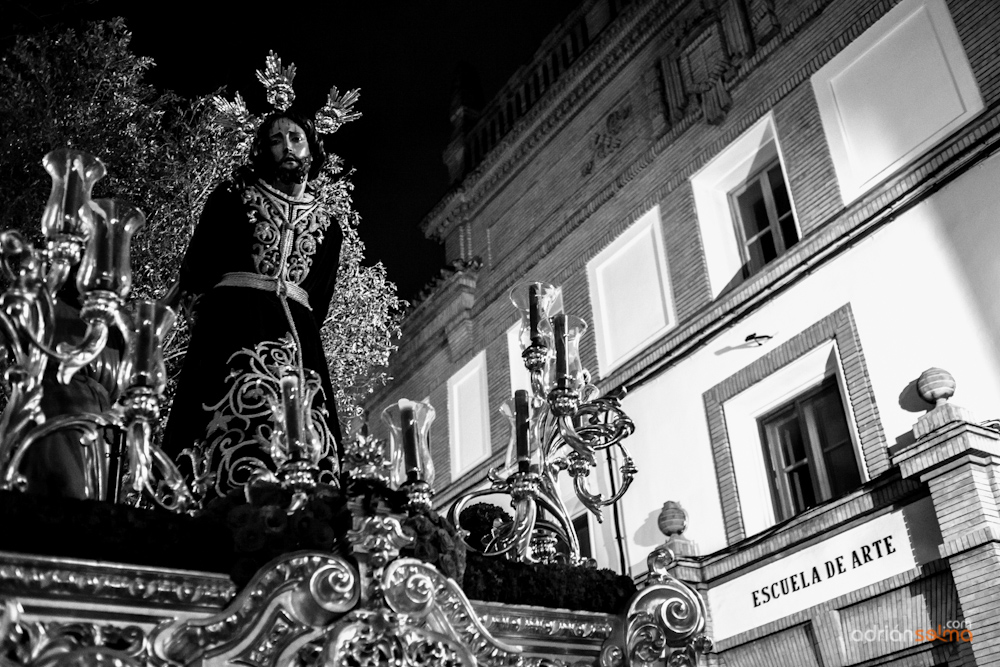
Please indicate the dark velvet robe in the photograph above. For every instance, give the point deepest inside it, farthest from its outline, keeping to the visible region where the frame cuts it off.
(242, 335)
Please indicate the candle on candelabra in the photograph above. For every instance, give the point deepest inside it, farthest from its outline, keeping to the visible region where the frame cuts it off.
(407, 422)
(73, 176)
(106, 263)
(562, 358)
(521, 430)
(534, 314)
(290, 400)
(145, 341)
(75, 196)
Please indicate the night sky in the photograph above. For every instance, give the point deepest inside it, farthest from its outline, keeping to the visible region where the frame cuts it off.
(402, 55)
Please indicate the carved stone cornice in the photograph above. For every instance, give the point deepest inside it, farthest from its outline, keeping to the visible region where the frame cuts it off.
(444, 319)
(614, 48)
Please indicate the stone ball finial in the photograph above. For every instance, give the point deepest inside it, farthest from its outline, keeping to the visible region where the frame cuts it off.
(936, 385)
(673, 518)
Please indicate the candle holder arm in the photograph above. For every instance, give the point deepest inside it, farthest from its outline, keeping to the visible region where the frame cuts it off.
(597, 424)
(170, 492)
(27, 317)
(579, 470)
(101, 311)
(553, 504)
(516, 535)
(89, 423)
(21, 414)
(63, 252)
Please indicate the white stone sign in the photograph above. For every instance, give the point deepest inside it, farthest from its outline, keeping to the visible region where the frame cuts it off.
(877, 549)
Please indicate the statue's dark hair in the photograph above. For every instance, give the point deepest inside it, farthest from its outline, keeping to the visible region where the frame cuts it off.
(260, 157)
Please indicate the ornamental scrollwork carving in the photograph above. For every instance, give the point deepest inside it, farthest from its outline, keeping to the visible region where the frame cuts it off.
(763, 20)
(374, 639)
(549, 628)
(704, 53)
(62, 579)
(664, 621)
(702, 65)
(607, 140)
(61, 644)
(414, 588)
(286, 606)
(379, 536)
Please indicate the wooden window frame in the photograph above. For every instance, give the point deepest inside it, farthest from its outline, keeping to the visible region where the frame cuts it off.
(804, 410)
(761, 176)
(872, 444)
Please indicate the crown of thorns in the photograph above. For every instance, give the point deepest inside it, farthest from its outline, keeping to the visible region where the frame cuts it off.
(277, 81)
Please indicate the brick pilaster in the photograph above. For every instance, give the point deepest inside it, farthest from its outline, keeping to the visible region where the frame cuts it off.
(958, 460)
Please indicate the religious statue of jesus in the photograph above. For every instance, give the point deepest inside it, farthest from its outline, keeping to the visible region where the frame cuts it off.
(261, 268)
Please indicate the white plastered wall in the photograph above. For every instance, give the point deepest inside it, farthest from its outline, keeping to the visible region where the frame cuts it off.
(922, 291)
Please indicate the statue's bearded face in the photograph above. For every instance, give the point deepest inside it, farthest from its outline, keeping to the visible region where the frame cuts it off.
(289, 151)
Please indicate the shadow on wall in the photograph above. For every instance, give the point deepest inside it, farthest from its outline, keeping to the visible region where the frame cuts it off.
(648, 534)
(910, 401)
(966, 215)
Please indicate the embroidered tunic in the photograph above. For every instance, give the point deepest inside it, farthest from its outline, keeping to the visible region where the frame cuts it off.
(263, 265)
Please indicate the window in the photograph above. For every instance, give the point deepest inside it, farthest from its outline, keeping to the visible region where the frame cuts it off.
(809, 451)
(828, 351)
(468, 416)
(762, 212)
(630, 292)
(894, 93)
(746, 214)
(581, 524)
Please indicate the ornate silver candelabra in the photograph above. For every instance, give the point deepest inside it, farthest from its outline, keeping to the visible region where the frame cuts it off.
(305, 608)
(561, 425)
(93, 236)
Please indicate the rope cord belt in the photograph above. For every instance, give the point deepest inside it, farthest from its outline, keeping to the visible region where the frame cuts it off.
(257, 281)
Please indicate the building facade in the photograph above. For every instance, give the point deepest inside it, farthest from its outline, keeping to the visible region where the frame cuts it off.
(776, 216)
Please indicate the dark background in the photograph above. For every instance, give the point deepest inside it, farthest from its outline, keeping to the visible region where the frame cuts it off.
(404, 56)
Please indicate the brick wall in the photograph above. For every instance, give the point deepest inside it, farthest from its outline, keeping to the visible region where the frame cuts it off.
(537, 211)
(838, 326)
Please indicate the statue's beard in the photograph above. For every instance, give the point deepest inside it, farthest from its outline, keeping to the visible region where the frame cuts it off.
(292, 171)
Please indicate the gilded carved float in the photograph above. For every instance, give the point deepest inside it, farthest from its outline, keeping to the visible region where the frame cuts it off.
(360, 603)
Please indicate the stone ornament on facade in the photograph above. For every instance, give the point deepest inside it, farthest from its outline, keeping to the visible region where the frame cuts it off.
(936, 385)
(696, 69)
(594, 67)
(702, 65)
(763, 19)
(607, 141)
(955, 457)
